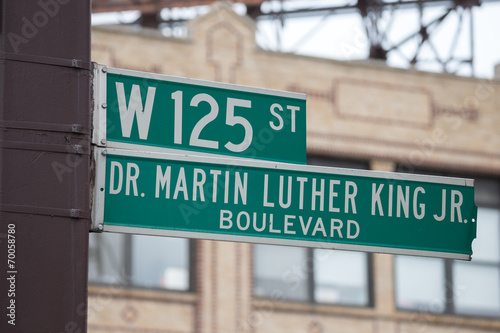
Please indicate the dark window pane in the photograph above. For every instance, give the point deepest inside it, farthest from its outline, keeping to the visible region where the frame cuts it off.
(486, 246)
(476, 289)
(160, 262)
(280, 272)
(487, 192)
(106, 258)
(420, 284)
(341, 277)
(476, 284)
(139, 261)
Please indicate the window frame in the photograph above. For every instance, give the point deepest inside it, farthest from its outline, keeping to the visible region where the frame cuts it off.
(128, 268)
(449, 292)
(309, 265)
(310, 262)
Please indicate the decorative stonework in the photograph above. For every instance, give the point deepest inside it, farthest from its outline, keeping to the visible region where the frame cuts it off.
(113, 60)
(354, 111)
(409, 106)
(130, 314)
(224, 51)
(315, 327)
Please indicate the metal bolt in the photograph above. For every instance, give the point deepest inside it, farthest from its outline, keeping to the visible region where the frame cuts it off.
(78, 149)
(104, 105)
(103, 142)
(104, 69)
(104, 152)
(100, 227)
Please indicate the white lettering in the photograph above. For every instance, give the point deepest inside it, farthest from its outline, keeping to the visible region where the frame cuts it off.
(112, 189)
(293, 109)
(301, 181)
(289, 193)
(198, 184)
(238, 220)
(443, 207)
(225, 216)
(334, 227)
(350, 196)
(131, 179)
(305, 227)
(226, 187)
(135, 107)
(163, 181)
(455, 205)
(319, 227)
(389, 208)
(263, 222)
(316, 193)
(181, 186)
(266, 191)
(276, 231)
(215, 173)
(420, 215)
(288, 224)
(349, 224)
(403, 201)
(376, 199)
(332, 195)
(278, 116)
(240, 187)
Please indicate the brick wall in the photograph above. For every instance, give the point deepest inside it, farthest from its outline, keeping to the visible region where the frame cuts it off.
(354, 110)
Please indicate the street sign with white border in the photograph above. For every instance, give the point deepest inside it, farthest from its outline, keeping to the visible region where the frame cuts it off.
(185, 195)
(163, 112)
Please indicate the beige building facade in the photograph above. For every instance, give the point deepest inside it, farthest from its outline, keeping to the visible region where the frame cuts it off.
(364, 113)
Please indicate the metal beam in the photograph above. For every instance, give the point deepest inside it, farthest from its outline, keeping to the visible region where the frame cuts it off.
(358, 7)
(149, 6)
(44, 164)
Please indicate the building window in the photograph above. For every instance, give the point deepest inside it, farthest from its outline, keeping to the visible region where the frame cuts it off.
(140, 261)
(476, 284)
(420, 284)
(314, 275)
(341, 277)
(281, 271)
(454, 286)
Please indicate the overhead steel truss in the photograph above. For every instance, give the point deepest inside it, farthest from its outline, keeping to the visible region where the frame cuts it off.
(377, 16)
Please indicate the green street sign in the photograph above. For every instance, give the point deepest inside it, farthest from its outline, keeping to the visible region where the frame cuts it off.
(280, 203)
(162, 112)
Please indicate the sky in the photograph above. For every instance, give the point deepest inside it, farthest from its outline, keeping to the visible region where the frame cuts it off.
(342, 37)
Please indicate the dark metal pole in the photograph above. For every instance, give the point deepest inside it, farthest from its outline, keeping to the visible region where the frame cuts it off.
(44, 164)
